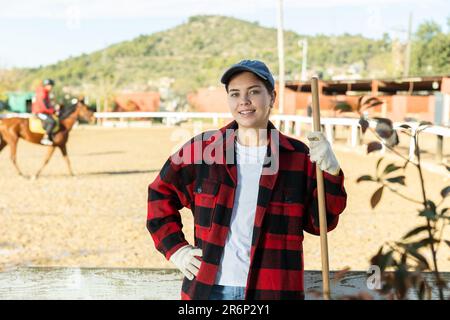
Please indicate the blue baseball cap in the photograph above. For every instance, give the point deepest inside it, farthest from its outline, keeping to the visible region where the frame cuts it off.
(257, 67)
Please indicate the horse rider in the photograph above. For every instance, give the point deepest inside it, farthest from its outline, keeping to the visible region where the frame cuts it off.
(44, 110)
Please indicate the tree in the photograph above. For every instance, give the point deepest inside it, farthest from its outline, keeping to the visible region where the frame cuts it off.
(403, 262)
(430, 50)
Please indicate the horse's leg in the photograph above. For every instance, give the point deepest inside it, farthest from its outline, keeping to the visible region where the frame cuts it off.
(2, 143)
(64, 153)
(47, 159)
(13, 146)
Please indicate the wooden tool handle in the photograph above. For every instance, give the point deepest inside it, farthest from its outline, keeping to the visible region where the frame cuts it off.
(321, 196)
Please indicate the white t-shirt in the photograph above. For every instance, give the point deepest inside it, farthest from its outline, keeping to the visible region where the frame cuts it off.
(235, 263)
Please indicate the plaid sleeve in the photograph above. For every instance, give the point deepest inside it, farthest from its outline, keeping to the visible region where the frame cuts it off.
(335, 199)
(167, 194)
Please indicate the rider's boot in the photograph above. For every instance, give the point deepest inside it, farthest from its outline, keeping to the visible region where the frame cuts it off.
(46, 141)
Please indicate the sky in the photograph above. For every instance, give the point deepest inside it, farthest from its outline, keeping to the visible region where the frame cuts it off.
(41, 32)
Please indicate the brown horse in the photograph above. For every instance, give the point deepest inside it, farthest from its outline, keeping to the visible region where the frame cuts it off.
(14, 128)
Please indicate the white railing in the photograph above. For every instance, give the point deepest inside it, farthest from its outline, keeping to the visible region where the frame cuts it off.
(288, 121)
(15, 115)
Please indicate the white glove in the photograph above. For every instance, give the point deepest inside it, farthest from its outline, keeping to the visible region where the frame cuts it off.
(320, 151)
(184, 260)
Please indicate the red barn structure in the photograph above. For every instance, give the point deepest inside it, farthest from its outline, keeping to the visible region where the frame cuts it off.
(403, 98)
(424, 98)
(209, 100)
(137, 101)
(215, 100)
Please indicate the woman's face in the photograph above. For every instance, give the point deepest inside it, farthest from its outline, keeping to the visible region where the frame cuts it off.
(249, 101)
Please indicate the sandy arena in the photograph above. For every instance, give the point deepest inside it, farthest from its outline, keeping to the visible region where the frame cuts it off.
(97, 218)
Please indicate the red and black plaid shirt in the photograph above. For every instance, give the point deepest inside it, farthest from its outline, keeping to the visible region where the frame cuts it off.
(286, 205)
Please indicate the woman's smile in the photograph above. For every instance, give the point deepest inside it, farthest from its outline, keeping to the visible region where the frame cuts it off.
(247, 113)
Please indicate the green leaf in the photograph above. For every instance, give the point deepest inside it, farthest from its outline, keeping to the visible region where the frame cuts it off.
(374, 146)
(370, 100)
(425, 123)
(376, 103)
(422, 243)
(422, 290)
(422, 126)
(415, 231)
(431, 205)
(405, 126)
(399, 179)
(419, 257)
(376, 197)
(428, 213)
(378, 165)
(379, 161)
(343, 107)
(382, 260)
(359, 103)
(391, 168)
(384, 128)
(364, 125)
(411, 249)
(365, 178)
(445, 191)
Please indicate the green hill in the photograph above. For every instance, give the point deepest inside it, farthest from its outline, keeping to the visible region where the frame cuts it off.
(195, 54)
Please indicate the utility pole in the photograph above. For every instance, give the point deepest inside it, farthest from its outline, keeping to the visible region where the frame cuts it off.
(280, 58)
(304, 44)
(408, 48)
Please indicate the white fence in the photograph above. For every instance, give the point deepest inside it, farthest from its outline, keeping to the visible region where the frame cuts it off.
(288, 123)
(58, 283)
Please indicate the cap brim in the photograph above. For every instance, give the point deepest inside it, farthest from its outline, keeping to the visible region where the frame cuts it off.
(233, 70)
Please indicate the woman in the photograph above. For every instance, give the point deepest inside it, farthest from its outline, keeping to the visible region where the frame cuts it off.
(252, 193)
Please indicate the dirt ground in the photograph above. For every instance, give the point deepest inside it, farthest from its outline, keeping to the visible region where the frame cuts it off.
(97, 218)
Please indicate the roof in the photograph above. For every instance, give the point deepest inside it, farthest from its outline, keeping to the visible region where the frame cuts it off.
(390, 86)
